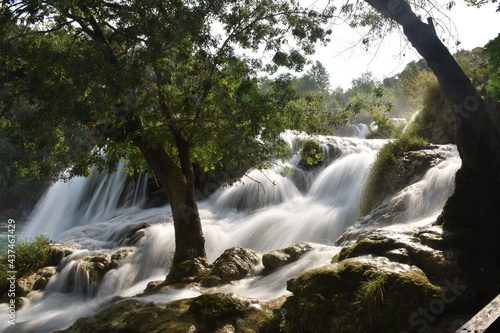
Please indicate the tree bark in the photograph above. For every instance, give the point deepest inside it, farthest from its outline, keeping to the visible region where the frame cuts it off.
(178, 182)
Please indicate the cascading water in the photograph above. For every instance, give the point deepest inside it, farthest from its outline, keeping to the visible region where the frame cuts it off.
(83, 202)
(264, 211)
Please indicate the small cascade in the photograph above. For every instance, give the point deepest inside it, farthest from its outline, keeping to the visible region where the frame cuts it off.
(257, 189)
(428, 196)
(150, 261)
(74, 278)
(85, 201)
(360, 131)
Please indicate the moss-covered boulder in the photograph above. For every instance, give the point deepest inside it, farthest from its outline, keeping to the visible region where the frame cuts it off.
(209, 313)
(425, 248)
(279, 258)
(234, 264)
(362, 294)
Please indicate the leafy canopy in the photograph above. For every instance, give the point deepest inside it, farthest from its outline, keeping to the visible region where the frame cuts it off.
(102, 73)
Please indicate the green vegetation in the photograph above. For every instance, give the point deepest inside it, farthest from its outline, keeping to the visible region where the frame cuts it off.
(370, 297)
(493, 51)
(435, 122)
(388, 171)
(27, 257)
(310, 153)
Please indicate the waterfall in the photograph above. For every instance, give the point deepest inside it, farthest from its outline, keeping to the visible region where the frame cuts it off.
(84, 201)
(265, 210)
(361, 130)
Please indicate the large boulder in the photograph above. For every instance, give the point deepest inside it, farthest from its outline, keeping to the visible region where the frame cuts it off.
(279, 258)
(362, 294)
(234, 264)
(385, 281)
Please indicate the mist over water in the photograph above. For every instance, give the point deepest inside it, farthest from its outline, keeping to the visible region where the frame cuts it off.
(264, 211)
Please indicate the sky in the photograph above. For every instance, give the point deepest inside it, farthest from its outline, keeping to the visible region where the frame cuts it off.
(471, 26)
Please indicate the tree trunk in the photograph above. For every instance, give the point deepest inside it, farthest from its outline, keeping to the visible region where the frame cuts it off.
(178, 182)
(472, 213)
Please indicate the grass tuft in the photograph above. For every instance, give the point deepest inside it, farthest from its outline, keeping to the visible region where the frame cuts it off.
(26, 256)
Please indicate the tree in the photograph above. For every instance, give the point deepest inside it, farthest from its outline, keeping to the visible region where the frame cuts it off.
(472, 212)
(493, 50)
(316, 79)
(155, 79)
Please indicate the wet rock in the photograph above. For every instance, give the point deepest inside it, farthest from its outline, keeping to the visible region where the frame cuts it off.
(385, 281)
(279, 258)
(187, 272)
(131, 236)
(86, 274)
(58, 251)
(205, 313)
(399, 255)
(234, 264)
(362, 294)
(212, 309)
(35, 281)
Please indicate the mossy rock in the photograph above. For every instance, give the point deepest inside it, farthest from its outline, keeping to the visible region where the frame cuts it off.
(187, 272)
(208, 313)
(362, 294)
(234, 264)
(133, 316)
(217, 310)
(410, 248)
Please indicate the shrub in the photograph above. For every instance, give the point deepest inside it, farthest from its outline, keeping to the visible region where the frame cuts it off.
(310, 153)
(387, 172)
(30, 256)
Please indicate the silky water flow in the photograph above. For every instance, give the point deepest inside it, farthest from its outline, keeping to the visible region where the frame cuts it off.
(264, 211)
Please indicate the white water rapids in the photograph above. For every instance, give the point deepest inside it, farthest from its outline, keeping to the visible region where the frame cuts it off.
(93, 215)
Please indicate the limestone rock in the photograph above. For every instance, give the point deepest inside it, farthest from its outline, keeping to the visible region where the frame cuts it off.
(58, 251)
(410, 248)
(85, 274)
(279, 258)
(35, 281)
(234, 264)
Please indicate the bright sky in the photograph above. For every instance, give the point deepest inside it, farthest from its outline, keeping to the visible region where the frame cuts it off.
(472, 27)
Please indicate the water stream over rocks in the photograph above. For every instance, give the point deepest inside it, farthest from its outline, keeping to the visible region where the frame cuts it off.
(118, 247)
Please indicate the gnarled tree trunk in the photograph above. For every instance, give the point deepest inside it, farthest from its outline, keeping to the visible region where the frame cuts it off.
(178, 182)
(472, 213)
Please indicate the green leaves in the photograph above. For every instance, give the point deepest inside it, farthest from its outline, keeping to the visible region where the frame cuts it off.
(493, 50)
(99, 75)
